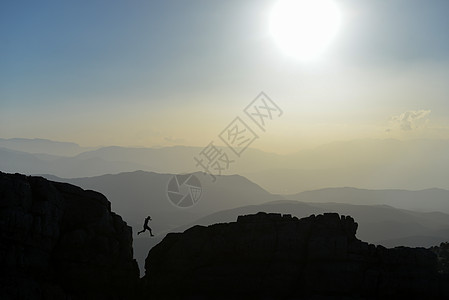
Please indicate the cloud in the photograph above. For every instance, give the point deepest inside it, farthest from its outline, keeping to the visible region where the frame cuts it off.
(410, 120)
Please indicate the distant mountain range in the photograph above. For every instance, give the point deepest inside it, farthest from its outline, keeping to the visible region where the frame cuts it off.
(43, 146)
(138, 194)
(13, 161)
(428, 200)
(364, 163)
(369, 164)
(110, 160)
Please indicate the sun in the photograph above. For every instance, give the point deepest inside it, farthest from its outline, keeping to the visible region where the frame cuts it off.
(304, 28)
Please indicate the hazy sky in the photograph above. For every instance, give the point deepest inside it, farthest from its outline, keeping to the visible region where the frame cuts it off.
(147, 73)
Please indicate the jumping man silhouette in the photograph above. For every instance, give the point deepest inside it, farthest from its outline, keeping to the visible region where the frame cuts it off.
(146, 227)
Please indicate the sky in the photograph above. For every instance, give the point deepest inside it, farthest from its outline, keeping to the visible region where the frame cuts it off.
(160, 73)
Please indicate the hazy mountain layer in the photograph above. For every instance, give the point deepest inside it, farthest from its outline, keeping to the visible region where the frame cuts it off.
(370, 164)
(43, 146)
(429, 200)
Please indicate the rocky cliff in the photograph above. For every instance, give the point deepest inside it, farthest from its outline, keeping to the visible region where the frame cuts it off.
(270, 256)
(58, 241)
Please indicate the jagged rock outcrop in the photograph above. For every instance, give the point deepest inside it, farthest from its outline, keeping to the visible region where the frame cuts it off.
(269, 256)
(58, 241)
(442, 253)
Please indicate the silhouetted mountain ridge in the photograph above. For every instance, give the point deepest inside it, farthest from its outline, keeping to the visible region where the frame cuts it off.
(380, 224)
(274, 256)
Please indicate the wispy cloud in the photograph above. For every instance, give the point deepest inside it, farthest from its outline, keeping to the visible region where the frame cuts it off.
(410, 120)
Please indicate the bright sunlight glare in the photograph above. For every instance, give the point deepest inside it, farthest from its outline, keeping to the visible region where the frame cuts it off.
(304, 28)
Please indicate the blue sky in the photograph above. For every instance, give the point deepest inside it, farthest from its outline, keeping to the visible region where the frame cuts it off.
(97, 72)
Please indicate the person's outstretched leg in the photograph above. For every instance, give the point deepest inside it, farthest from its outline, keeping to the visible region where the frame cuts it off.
(141, 231)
